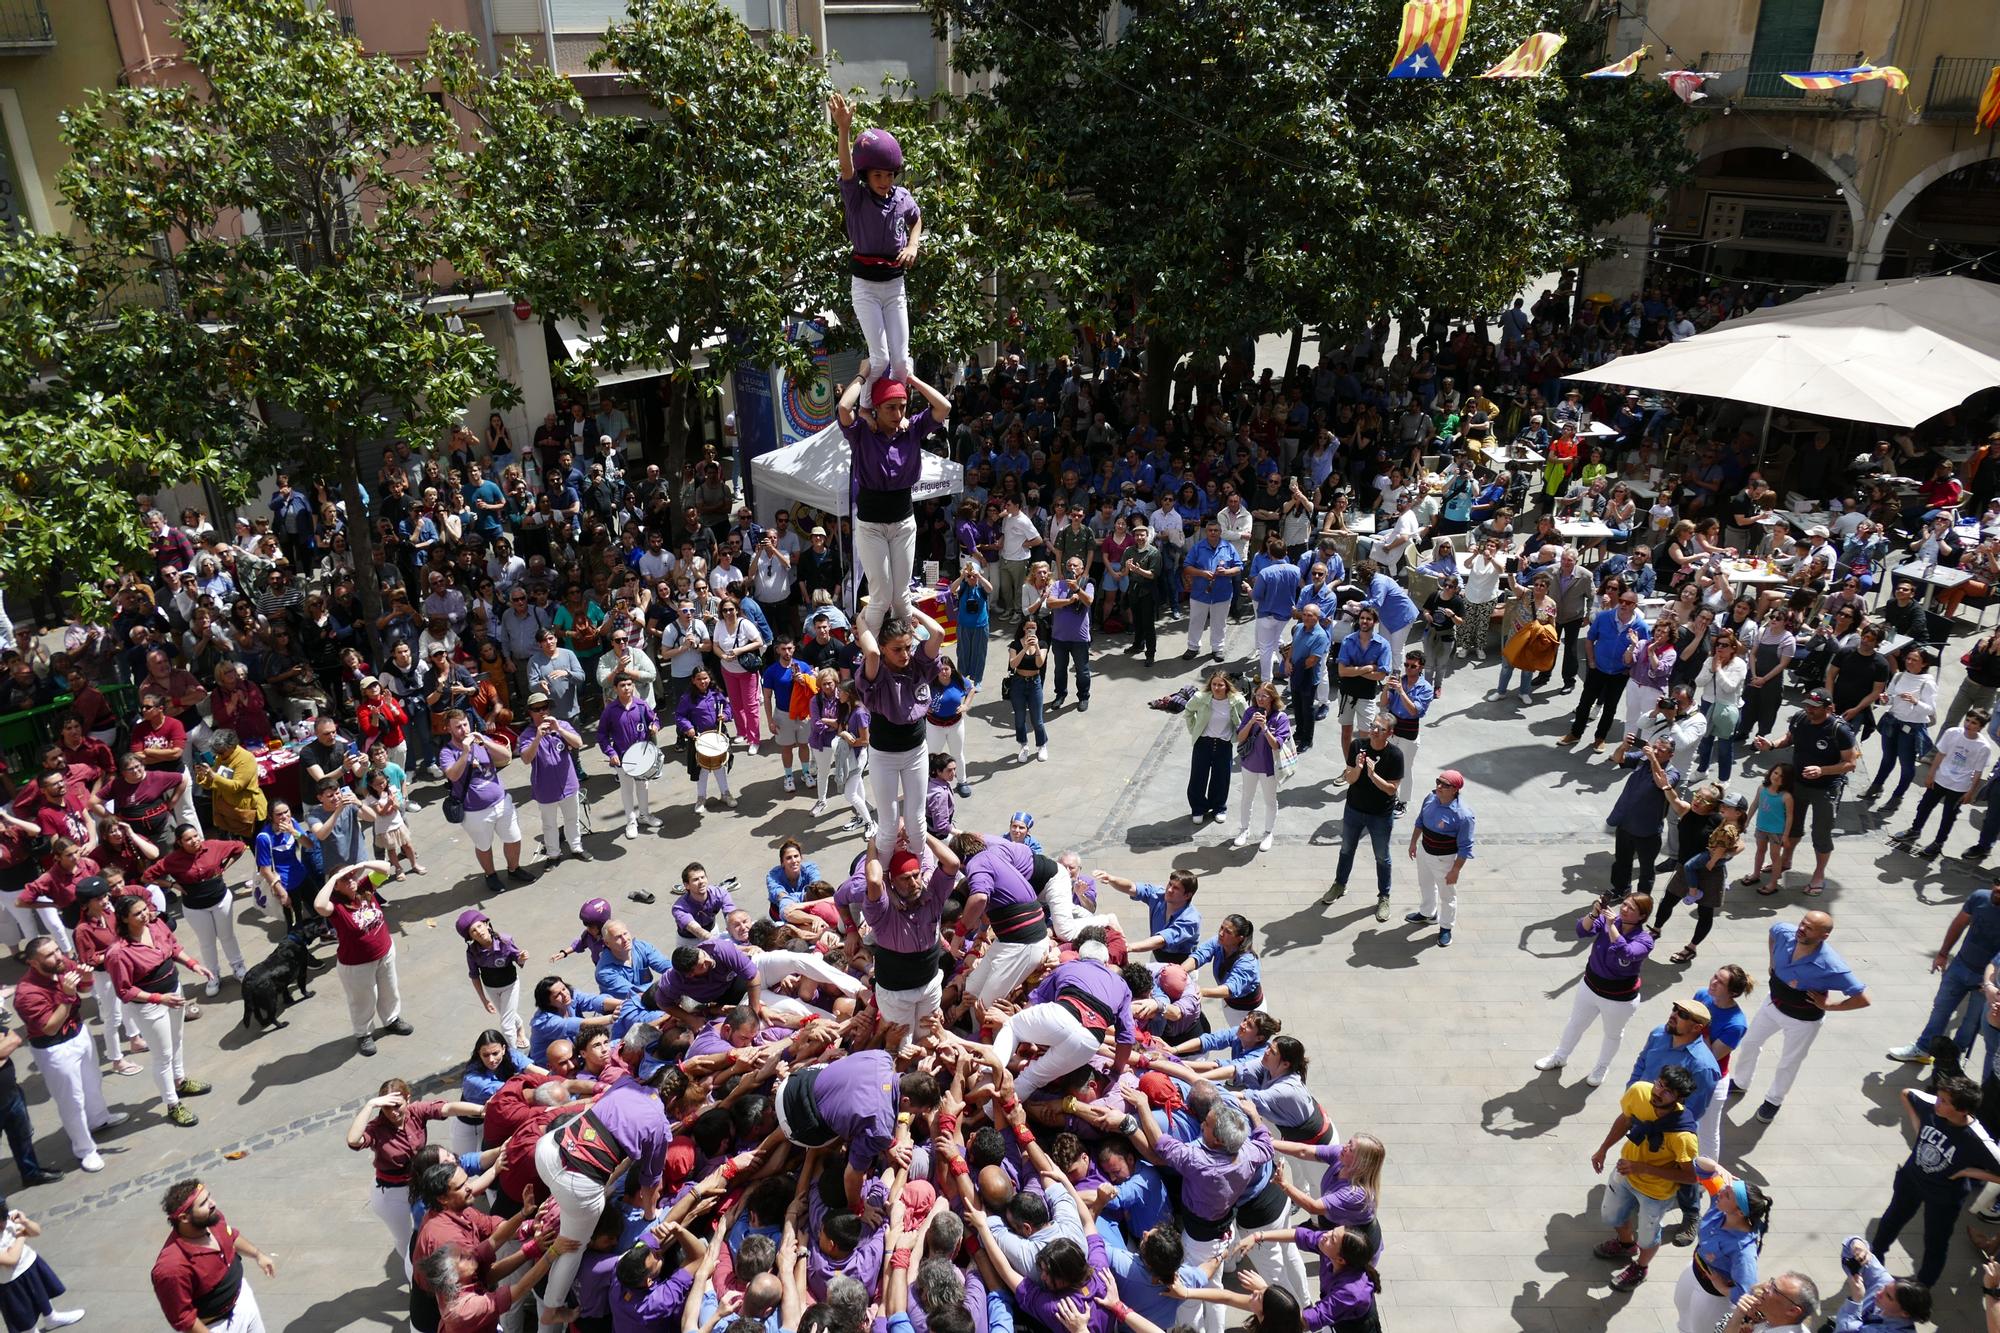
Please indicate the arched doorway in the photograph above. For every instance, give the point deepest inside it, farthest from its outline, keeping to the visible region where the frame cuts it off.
(1771, 216)
(1953, 224)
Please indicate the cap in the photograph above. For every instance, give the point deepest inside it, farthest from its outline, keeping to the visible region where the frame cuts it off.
(439, 650)
(366, 681)
(1818, 699)
(1817, 530)
(904, 862)
(817, 531)
(1454, 777)
(1693, 1009)
(887, 390)
(538, 700)
(1736, 800)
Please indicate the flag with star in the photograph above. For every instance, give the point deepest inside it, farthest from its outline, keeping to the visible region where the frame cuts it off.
(1428, 43)
(1622, 69)
(1820, 80)
(1528, 59)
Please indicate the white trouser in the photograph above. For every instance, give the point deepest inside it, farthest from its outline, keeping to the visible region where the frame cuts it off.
(561, 819)
(1003, 967)
(840, 755)
(1398, 640)
(1708, 1132)
(47, 921)
(1258, 787)
(391, 1203)
(721, 776)
(1698, 1311)
(245, 1318)
(507, 999)
(581, 1200)
(897, 781)
(163, 1028)
(1281, 1264)
(1799, 1037)
(115, 1015)
(883, 312)
(1270, 629)
(949, 740)
(217, 923)
(887, 555)
(1067, 1044)
(1066, 919)
(635, 798)
(1407, 746)
(907, 1008)
(372, 995)
(1207, 1314)
(1589, 1005)
(70, 1070)
(1214, 616)
(774, 965)
(464, 1137)
(184, 802)
(1439, 898)
(1639, 701)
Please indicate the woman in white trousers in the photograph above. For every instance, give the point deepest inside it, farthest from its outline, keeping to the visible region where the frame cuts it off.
(392, 1126)
(1726, 1245)
(144, 965)
(1609, 992)
(1264, 731)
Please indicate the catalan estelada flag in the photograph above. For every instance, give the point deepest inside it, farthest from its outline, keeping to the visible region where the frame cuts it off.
(1989, 104)
(1819, 80)
(1529, 58)
(1428, 44)
(1623, 69)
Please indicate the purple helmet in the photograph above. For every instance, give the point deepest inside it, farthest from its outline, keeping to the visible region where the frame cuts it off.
(877, 150)
(595, 912)
(467, 919)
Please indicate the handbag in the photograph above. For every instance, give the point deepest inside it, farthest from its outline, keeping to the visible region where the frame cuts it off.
(454, 797)
(1722, 719)
(1285, 761)
(752, 661)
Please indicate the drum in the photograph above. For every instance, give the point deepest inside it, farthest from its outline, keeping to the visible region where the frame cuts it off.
(642, 762)
(711, 749)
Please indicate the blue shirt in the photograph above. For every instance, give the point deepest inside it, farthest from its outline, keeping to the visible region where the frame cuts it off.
(1392, 604)
(1314, 642)
(1420, 692)
(624, 980)
(784, 894)
(1240, 973)
(1138, 1288)
(1660, 1051)
(1180, 931)
(545, 1027)
(1203, 558)
(1727, 1026)
(1372, 651)
(1275, 589)
(480, 1083)
(1336, 570)
(1140, 1202)
(1981, 941)
(1608, 640)
(1822, 969)
(1448, 821)
(1728, 1254)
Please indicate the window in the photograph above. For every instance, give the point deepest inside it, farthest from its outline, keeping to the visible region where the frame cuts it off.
(1787, 36)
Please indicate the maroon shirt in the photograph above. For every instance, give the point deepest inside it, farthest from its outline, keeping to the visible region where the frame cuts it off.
(395, 1142)
(37, 998)
(187, 1268)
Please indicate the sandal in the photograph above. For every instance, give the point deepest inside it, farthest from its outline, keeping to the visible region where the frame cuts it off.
(1684, 957)
(1767, 892)
(399, 876)
(1816, 888)
(1749, 879)
(417, 869)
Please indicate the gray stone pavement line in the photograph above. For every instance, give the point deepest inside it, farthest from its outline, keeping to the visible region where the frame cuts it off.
(156, 1182)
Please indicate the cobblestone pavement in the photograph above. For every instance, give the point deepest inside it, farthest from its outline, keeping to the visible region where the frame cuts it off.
(1490, 1206)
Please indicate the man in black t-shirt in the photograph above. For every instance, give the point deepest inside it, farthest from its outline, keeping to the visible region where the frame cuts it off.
(1824, 752)
(1856, 677)
(14, 1118)
(1952, 1148)
(1374, 768)
(1745, 507)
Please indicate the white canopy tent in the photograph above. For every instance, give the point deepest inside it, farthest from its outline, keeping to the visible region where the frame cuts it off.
(816, 471)
(1892, 353)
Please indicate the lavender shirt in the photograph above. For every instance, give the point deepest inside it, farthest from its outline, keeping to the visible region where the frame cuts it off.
(900, 700)
(1101, 984)
(857, 1096)
(1257, 757)
(716, 903)
(731, 964)
(911, 929)
(1615, 962)
(620, 728)
(889, 462)
(551, 774)
(480, 782)
(635, 1116)
(877, 225)
(1040, 1304)
(1071, 623)
(657, 1308)
(1213, 1183)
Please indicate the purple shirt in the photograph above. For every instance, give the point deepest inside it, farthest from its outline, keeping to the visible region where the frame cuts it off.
(1615, 962)
(849, 896)
(864, 1265)
(826, 721)
(713, 904)
(710, 1041)
(939, 807)
(658, 1308)
(1212, 1183)
(731, 965)
(857, 1097)
(1257, 756)
(480, 782)
(1071, 623)
(701, 713)
(551, 774)
(912, 929)
(889, 462)
(901, 697)
(502, 952)
(1040, 1304)
(1344, 1293)
(620, 728)
(633, 1114)
(877, 225)
(1105, 987)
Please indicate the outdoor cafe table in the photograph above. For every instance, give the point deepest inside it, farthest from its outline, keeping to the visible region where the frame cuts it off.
(1939, 577)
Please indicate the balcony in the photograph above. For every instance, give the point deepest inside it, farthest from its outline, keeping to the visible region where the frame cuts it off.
(25, 28)
(1956, 82)
(1750, 78)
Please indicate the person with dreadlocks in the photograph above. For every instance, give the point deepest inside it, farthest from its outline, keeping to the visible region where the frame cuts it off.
(1727, 1242)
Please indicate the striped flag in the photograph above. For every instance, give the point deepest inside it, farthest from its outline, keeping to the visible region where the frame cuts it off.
(1428, 44)
(1529, 58)
(1989, 104)
(1623, 69)
(1819, 80)
(1686, 83)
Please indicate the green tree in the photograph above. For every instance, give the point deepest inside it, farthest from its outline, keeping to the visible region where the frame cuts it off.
(1243, 166)
(299, 201)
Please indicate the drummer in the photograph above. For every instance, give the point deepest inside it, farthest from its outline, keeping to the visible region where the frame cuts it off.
(704, 710)
(628, 726)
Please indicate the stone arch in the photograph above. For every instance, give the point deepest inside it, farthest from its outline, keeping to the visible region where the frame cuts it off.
(1728, 139)
(1883, 225)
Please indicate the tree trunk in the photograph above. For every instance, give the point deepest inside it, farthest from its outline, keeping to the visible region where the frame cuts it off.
(361, 541)
(1298, 346)
(1162, 356)
(674, 425)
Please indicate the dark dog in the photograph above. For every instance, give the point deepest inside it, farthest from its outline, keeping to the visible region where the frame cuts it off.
(267, 987)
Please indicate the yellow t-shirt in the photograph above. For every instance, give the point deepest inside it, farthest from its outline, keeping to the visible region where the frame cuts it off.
(1676, 1146)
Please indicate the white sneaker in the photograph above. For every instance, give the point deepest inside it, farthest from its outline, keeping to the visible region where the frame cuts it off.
(1043, 754)
(1242, 838)
(631, 830)
(411, 807)
(1264, 843)
(819, 808)
(729, 799)
(213, 988)
(1549, 1062)
(1461, 654)
(1026, 750)
(114, 1120)
(61, 1318)
(92, 1164)
(650, 823)
(791, 783)
(1595, 1078)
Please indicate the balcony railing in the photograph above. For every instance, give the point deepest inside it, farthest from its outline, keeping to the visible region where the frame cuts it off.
(1956, 82)
(1751, 77)
(24, 26)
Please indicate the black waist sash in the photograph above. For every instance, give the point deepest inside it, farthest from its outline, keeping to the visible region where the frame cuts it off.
(215, 1305)
(897, 970)
(1792, 1002)
(806, 1127)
